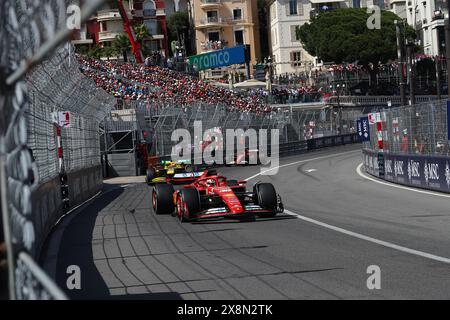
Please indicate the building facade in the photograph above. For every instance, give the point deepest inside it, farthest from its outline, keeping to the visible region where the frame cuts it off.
(398, 7)
(107, 23)
(226, 23)
(285, 16)
(427, 18)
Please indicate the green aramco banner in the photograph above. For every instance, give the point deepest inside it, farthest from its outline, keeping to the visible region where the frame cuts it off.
(218, 58)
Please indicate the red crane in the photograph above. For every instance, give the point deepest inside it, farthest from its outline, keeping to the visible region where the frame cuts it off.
(135, 45)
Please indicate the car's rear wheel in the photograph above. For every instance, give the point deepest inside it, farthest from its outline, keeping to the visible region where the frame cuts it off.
(162, 198)
(188, 204)
(266, 197)
(150, 175)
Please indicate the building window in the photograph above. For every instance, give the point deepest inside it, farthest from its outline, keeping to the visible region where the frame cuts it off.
(237, 14)
(293, 7)
(356, 3)
(149, 9)
(151, 26)
(294, 35)
(238, 37)
(213, 36)
(296, 57)
(212, 16)
(103, 26)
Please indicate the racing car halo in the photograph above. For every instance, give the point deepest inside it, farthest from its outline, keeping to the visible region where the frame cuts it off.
(212, 196)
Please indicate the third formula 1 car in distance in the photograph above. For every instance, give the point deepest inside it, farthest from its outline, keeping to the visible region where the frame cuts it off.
(215, 196)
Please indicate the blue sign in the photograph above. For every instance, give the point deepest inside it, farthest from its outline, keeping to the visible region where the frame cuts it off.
(365, 131)
(218, 58)
(359, 129)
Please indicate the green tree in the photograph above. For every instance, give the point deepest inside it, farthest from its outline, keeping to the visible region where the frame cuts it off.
(142, 34)
(178, 28)
(122, 45)
(95, 52)
(108, 52)
(263, 31)
(342, 35)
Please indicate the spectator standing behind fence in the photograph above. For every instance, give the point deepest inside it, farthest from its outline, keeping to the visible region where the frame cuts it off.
(404, 143)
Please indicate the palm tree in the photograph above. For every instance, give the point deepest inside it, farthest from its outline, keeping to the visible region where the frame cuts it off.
(122, 45)
(108, 52)
(142, 34)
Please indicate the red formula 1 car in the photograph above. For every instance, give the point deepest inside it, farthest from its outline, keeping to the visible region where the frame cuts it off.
(213, 196)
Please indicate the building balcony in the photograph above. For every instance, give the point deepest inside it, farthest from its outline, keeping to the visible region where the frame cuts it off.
(213, 45)
(211, 22)
(236, 20)
(210, 4)
(81, 38)
(105, 36)
(108, 15)
(437, 15)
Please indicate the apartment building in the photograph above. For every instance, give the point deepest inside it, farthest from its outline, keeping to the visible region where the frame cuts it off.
(107, 23)
(285, 16)
(226, 23)
(427, 18)
(398, 7)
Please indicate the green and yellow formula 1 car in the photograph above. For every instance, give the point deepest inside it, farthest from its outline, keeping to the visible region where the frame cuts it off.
(181, 171)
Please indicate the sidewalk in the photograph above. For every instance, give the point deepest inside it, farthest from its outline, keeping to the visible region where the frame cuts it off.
(124, 180)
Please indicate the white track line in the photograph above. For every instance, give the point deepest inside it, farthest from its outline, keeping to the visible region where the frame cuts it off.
(393, 185)
(370, 239)
(301, 161)
(355, 234)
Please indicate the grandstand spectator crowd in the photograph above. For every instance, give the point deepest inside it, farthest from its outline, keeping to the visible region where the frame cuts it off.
(154, 83)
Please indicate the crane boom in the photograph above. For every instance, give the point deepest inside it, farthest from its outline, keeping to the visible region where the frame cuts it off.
(135, 46)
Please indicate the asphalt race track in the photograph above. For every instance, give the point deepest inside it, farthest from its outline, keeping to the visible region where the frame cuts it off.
(125, 251)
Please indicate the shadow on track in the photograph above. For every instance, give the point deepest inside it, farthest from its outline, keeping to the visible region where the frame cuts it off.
(76, 249)
(251, 219)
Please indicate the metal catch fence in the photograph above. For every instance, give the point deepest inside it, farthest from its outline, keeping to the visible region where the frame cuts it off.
(414, 129)
(30, 31)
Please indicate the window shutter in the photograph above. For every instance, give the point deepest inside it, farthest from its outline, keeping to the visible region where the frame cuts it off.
(287, 6)
(300, 7)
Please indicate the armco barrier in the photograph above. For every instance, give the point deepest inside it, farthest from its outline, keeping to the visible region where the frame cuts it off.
(48, 205)
(420, 171)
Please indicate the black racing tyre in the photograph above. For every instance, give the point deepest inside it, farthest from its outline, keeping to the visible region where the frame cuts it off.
(266, 196)
(191, 203)
(162, 198)
(150, 175)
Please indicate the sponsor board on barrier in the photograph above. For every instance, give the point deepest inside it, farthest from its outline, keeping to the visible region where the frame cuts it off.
(428, 172)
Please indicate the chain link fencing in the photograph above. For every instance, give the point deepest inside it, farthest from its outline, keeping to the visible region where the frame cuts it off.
(414, 129)
(31, 182)
(294, 125)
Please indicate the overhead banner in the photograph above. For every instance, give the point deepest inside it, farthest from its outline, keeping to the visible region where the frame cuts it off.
(218, 58)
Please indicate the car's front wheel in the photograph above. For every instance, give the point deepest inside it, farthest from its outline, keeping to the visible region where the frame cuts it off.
(266, 197)
(188, 204)
(162, 198)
